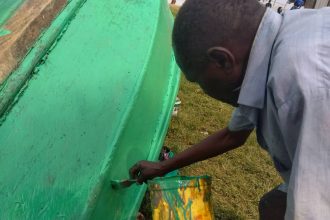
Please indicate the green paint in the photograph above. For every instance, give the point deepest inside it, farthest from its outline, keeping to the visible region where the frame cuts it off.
(168, 187)
(175, 182)
(98, 101)
(172, 197)
(4, 32)
(7, 8)
(38, 54)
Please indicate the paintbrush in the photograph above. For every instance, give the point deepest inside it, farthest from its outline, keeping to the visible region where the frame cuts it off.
(121, 184)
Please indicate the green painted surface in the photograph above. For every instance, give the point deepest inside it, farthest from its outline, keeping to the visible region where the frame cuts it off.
(100, 101)
(37, 54)
(4, 32)
(7, 8)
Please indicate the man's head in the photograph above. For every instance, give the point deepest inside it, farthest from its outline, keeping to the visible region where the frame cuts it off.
(212, 40)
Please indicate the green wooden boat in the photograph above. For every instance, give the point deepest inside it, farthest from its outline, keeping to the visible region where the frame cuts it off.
(93, 96)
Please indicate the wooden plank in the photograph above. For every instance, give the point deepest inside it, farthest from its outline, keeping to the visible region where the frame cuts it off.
(24, 27)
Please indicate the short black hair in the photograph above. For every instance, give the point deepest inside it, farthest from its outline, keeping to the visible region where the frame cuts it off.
(202, 24)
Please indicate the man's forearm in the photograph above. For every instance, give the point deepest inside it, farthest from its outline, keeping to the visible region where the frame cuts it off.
(212, 146)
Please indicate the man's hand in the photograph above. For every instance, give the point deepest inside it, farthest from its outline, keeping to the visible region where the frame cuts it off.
(212, 146)
(146, 170)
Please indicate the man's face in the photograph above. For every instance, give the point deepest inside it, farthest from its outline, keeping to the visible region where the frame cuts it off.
(221, 77)
(221, 84)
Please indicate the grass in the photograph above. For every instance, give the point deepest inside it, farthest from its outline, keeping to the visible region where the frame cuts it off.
(174, 9)
(240, 177)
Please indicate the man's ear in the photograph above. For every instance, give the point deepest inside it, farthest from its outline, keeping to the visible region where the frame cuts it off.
(222, 57)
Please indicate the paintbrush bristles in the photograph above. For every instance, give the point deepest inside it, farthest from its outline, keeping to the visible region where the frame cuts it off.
(120, 184)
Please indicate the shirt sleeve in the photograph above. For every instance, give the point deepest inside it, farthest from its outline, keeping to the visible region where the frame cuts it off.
(308, 188)
(243, 118)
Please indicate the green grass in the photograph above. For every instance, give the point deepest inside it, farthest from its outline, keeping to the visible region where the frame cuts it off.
(174, 9)
(240, 177)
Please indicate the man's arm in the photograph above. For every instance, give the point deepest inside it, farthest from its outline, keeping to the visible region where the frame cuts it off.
(216, 144)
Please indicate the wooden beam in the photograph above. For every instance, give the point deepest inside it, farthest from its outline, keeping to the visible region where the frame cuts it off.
(24, 27)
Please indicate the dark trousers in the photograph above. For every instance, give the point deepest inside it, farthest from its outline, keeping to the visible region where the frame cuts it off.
(272, 205)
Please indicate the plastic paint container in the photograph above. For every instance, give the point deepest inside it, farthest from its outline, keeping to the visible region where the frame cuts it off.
(181, 198)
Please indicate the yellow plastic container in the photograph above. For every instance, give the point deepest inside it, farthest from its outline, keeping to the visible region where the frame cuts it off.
(181, 198)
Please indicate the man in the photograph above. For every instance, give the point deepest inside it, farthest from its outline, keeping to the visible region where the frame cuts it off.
(243, 54)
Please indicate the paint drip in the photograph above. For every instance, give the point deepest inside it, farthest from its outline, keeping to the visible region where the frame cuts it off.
(181, 198)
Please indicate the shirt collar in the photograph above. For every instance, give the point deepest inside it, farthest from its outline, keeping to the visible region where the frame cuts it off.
(254, 84)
